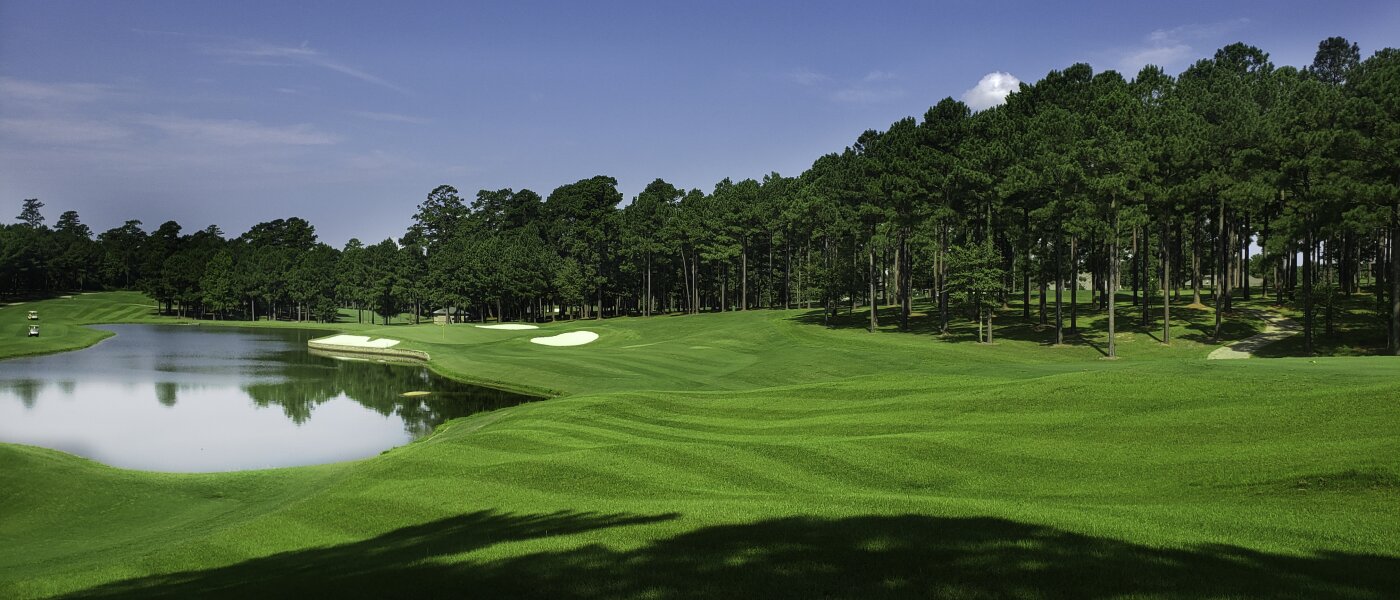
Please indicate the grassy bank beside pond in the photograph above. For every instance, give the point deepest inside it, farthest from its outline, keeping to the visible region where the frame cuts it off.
(763, 454)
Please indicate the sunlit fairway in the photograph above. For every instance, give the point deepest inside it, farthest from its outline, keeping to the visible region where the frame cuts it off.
(765, 454)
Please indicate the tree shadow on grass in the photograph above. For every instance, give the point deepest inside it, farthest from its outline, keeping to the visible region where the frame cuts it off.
(924, 321)
(961, 329)
(1092, 330)
(798, 557)
(1200, 325)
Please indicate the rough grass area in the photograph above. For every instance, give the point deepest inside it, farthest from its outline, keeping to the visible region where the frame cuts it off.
(762, 454)
(1358, 328)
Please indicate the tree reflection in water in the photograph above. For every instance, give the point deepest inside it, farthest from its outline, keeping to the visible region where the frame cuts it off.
(303, 379)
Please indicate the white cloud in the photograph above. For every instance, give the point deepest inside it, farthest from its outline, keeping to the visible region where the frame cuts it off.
(46, 130)
(388, 117)
(234, 132)
(1171, 47)
(805, 76)
(874, 76)
(991, 90)
(19, 90)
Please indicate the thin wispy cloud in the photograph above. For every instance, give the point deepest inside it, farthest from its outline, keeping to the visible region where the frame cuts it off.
(1160, 56)
(866, 95)
(1199, 31)
(380, 161)
(872, 88)
(805, 76)
(234, 132)
(78, 113)
(256, 52)
(61, 131)
(252, 52)
(21, 90)
(388, 117)
(1174, 46)
(991, 90)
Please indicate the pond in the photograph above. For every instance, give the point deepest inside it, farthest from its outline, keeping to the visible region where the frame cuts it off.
(192, 399)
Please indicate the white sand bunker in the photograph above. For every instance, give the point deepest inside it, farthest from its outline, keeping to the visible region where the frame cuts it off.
(572, 338)
(508, 326)
(358, 341)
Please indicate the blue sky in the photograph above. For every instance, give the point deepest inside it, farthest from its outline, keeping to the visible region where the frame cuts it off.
(348, 113)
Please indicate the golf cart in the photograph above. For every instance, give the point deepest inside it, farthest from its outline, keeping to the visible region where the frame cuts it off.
(33, 331)
(33, 315)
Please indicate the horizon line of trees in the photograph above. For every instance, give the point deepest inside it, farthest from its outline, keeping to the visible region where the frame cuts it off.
(1159, 183)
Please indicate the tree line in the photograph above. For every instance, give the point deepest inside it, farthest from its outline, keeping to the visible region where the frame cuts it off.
(1160, 184)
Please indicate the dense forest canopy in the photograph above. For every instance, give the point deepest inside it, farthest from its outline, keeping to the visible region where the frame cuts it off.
(1157, 183)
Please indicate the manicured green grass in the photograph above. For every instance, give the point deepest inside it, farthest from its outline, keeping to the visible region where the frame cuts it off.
(762, 454)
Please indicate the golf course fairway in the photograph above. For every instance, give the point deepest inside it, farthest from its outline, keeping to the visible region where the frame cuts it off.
(762, 454)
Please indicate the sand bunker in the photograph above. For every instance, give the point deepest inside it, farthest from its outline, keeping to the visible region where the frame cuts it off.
(572, 338)
(508, 326)
(357, 341)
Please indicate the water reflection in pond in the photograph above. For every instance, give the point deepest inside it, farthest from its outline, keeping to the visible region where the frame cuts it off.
(192, 398)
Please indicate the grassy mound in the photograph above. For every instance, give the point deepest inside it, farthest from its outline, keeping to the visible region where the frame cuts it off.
(761, 454)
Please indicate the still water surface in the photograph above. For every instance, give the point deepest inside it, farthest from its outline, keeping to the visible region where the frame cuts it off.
(191, 398)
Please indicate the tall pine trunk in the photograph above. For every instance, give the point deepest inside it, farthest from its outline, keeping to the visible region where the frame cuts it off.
(874, 317)
(1196, 266)
(1059, 293)
(943, 280)
(1073, 285)
(1394, 280)
(991, 312)
(1145, 273)
(599, 314)
(1136, 274)
(744, 276)
(1026, 266)
(1308, 267)
(904, 280)
(1222, 274)
(1166, 283)
(1112, 284)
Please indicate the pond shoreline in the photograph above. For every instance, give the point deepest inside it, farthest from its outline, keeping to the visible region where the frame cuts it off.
(328, 329)
(225, 377)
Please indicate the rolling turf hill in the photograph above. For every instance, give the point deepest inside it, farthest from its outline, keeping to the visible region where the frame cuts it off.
(763, 454)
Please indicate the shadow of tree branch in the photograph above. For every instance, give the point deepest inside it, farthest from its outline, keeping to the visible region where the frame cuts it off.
(798, 557)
